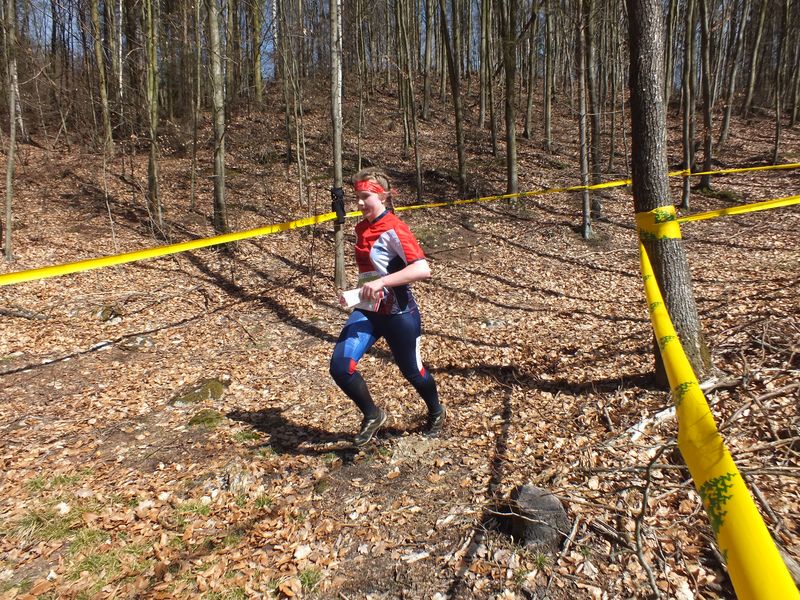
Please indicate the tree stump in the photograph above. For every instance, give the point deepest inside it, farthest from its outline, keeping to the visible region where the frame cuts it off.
(539, 521)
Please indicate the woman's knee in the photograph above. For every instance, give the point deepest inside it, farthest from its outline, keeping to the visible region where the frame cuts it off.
(341, 369)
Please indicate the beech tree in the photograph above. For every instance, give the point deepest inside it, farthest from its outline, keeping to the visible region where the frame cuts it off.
(9, 49)
(650, 180)
(220, 217)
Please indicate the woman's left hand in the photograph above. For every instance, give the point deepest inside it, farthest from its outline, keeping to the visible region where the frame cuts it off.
(372, 290)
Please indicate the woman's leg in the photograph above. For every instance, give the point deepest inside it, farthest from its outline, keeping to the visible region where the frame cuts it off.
(357, 336)
(403, 333)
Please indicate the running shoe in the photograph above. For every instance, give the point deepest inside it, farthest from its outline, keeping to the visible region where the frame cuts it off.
(369, 427)
(436, 422)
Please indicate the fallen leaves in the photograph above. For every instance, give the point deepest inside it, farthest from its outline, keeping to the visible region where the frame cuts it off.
(541, 350)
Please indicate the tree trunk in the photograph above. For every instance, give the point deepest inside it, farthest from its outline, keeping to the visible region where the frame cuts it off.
(612, 145)
(339, 277)
(108, 143)
(594, 104)
(795, 83)
(258, 84)
(668, 48)
(453, 61)
(10, 43)
(508, 18)
(531, 74)
(708, 102)
(412, 103)
(779, 81)
(650, 179)
(726, 119)
(426, 93)
(220, 217)
(549, 78)
(153, 197)
(687, 90)
(196, 103)
(748, 100)
(586, 227)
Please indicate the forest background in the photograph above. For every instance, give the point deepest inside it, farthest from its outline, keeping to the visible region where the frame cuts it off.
(135, 123)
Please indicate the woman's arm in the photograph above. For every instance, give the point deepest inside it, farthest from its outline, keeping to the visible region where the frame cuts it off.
(416, 271)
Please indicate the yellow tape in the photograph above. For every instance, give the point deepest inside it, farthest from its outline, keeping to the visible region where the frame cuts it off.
(119, 259)
(658, 224)
(754, 564)
(744, 208)
(743, 169)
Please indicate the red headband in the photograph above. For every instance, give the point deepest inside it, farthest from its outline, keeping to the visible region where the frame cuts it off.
(369, 186)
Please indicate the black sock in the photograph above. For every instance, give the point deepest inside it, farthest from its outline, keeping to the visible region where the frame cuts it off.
(356, 390)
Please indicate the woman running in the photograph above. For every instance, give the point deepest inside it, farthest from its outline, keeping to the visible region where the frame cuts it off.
(389, 259)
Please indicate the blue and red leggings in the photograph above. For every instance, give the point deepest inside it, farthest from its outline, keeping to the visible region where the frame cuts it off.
(402, 332)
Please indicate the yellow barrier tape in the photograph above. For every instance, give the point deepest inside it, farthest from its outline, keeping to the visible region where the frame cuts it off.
(744, 169)
(119, 259)
(754, 564)
(744, 208)
(658, 224)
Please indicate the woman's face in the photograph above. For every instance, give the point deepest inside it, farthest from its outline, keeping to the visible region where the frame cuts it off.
(370, 204)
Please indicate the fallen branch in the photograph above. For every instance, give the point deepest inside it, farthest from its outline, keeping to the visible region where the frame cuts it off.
(640, 521)
(23, 313)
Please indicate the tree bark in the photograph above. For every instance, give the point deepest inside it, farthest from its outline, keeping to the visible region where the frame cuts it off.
(453, 62)
(668, 48)
(687, 91)
(153, 196)
(650, 180)
(340, 279)
(737, 57)
(548, 77)
(586, 221)
(594, 103)
(412, 102)
(779, 81)
(220, 217)
(508, 19)
(426, 93)
(748, 100)
(708, 101)
(258, 84)
(10, 43)
(102, 88)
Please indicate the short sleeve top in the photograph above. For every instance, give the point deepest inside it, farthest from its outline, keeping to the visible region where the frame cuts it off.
(384, 246)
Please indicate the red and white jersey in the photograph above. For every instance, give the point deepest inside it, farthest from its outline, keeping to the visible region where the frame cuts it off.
(382, 247)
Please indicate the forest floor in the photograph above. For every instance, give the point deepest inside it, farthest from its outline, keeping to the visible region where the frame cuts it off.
(539, 341)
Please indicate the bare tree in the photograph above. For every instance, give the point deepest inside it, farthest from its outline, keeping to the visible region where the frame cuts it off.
(151, 45)
(580, 23)
(779, 80)
(453, 62)
(650, 180)
(708, 100)
(687, 90)
(507, 10)
(549, 61)
(108, 143)
(220, 217)
(754, 55)
(340, 279)
(734, 70)
(10, 51)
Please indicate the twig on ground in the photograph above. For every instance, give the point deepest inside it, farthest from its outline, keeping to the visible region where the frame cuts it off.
(611, 534)
(563, 552)
(640, 522)
(22, 312)
(779, 525)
